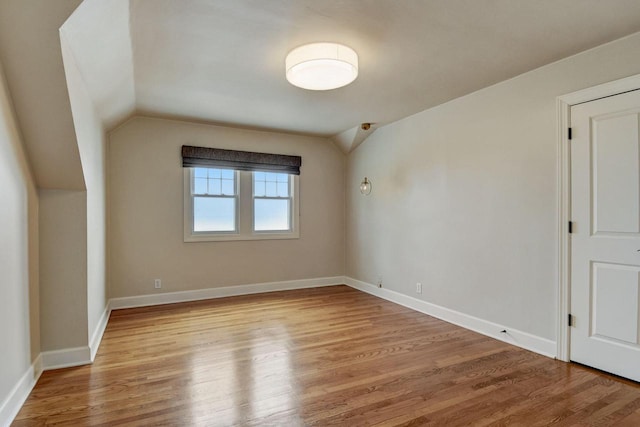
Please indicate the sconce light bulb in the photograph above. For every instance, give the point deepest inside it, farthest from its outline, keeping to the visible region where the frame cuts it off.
(365, 186)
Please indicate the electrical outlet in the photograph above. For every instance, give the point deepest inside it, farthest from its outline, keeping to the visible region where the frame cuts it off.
(157, 283)
(419, 288)
(379, 281)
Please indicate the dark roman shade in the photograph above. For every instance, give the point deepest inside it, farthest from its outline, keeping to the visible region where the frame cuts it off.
(239, 160)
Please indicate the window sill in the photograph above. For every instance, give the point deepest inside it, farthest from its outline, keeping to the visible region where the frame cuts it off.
(190, 238)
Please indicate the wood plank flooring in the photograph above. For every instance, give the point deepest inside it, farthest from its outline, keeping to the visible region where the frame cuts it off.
(317, 357)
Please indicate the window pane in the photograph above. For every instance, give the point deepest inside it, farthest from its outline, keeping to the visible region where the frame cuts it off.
(214, 186)
(283, 177)
(283, 189)
(271, 215)
(259, 184)
(214, 214)
(258, 189)
(200, 186)
(272, 190)
(210, 181)
(227, 187)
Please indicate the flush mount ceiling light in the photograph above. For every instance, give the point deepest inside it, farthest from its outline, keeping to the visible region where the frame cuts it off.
(321, 66)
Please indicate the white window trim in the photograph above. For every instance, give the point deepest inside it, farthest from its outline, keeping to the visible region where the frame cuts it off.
(244, 212)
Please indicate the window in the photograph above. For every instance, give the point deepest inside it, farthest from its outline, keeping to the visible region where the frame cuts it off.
(271, 201)
(215, 198)
(226, 204)
(239, 195)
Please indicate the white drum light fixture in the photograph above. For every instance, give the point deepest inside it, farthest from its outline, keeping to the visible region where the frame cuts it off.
(321, 66)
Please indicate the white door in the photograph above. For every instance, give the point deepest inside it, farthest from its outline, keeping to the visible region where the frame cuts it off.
(605, 244)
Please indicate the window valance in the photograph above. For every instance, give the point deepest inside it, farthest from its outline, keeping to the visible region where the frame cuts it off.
(240, 160)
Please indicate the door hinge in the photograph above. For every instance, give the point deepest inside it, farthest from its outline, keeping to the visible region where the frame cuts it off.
(570, 227)
(570, 320)
(569, 134)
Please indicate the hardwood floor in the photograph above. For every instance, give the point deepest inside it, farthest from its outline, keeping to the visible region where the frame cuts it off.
(326, 356)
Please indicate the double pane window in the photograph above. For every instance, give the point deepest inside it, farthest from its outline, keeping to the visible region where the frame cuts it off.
(226, 204)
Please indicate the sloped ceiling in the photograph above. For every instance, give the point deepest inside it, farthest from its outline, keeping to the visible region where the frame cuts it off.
(222, 61)
(97, 34)
(32, 59)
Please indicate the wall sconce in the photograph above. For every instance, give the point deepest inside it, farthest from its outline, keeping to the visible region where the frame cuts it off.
(365, 186)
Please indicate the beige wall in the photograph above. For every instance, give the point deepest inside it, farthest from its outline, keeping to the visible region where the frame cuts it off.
(146, 212)
(63, 269)
(465, 196)
(19, 293)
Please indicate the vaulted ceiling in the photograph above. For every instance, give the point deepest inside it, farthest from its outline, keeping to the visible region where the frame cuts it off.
(222, 61)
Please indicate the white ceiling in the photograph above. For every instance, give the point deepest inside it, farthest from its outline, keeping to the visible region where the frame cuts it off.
(98, 35)
(222, 61)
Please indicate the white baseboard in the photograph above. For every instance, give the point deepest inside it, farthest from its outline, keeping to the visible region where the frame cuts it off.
(77, 356)
(66, 358)
(96, 337)
(10, 407)
(518, 338)
(228, 291)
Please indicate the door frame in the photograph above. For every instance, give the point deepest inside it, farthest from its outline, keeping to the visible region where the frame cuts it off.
(563, 110)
